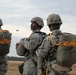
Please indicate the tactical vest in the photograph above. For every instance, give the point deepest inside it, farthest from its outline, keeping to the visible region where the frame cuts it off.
(66, 50)
(5, 40)
(21, 50)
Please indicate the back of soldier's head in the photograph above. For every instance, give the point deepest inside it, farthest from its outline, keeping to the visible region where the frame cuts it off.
(54, 19)
(1, 23)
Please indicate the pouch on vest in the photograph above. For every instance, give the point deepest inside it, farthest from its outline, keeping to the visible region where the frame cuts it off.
(5, 40)
(20, 68)
(66, 51)
(21, 50)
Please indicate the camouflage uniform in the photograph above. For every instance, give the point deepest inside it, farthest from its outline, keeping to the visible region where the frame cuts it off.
(46, 52)
(31, 44)
(3, 65)
(3, 59)
(29, 66)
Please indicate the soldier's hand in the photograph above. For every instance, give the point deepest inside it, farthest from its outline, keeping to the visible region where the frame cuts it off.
(40, 72)
(17, 44)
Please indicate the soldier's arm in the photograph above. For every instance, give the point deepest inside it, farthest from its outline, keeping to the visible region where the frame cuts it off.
(42, 52)
(45, 47)
(31, 43)
(40, 65)
(40, 62)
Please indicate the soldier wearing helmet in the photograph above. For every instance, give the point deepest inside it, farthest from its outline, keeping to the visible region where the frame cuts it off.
(54, 21)
(31, 44)
(3, 57)
(38, 20)
(47, 51)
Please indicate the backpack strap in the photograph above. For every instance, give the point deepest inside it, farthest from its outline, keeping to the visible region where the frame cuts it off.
(64, 43)
(51, 38)
(4, 40)
(43, 37)
(68, 43)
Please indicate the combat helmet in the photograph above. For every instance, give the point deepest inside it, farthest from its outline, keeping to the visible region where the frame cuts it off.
(1, 23)
(54, 19)
(38, 20)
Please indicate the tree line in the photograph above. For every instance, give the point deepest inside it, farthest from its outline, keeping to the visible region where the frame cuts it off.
(15, 58)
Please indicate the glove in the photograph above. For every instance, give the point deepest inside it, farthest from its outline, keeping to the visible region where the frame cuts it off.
(39, 72)
(17, 44)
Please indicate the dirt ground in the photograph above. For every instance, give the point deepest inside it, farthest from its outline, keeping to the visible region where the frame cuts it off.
(73, 72)
(13, 68)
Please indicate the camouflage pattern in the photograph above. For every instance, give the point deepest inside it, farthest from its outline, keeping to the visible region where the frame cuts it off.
(34, 40)
(38, 20)
(3, 60)
(44, 50)
(3, 65)
(54, 19)
(29, 68)
(46, 46)
(1, 23)
(31, 44)
(20, 49)
(62, 70)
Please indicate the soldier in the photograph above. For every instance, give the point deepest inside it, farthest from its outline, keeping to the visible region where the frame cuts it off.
(31, 44)
(47, 51)
(4, 50)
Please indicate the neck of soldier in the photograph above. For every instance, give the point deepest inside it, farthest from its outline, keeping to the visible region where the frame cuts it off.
(56, 32)
(37, 30)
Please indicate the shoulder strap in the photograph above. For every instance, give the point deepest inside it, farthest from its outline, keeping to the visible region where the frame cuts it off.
(64, 43)
(51, 38)
(68, 43)
(2, 31)
(42, 33)
(43, 36)
(4, 40)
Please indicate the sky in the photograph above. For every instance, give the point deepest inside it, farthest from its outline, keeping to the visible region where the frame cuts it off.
(17, 14)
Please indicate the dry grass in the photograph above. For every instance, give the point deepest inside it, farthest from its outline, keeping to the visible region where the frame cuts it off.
(73, 70)
(13, 68)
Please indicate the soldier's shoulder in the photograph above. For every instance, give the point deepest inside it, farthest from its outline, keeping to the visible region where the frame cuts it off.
(47, 37)
(35, 35)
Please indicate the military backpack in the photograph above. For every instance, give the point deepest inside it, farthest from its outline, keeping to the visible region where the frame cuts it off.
(66, 49)
(5, 40)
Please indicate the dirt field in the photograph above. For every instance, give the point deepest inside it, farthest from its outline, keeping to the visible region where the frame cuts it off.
(13, 70)
(73, 70)
(13, 67)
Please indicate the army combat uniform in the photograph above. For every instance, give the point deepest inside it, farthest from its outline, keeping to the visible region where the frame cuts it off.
(47, 52)
(31, 44)
(3, 65)
(35, 40)
(3, 49)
